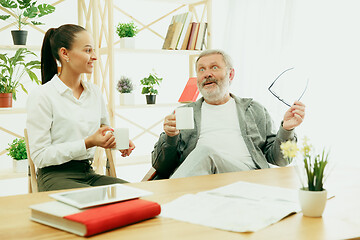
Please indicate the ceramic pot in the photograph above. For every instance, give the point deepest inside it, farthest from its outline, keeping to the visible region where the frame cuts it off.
(127, 43)
(150, 99)
(5, 100)
(20, 166)
(19, 37)
(127, 99)
(312, 202)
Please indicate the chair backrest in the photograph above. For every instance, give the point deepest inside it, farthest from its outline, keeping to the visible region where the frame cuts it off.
(33, 187)
(150, 175)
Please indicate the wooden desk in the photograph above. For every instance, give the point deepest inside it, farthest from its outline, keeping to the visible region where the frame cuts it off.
(341, 219)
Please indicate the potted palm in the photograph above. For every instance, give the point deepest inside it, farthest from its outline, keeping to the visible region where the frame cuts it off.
(12, 69)
(19, 12)
(312, 195)
(125, 88)
(149, 87)
(17, 151)
(127, 32)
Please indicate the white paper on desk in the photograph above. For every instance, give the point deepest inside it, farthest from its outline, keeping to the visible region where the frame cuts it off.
(233, 213)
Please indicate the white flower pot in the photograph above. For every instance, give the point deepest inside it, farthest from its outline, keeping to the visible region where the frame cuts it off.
(312, 202)
(127, 99)
(20, 166)
(127, 42)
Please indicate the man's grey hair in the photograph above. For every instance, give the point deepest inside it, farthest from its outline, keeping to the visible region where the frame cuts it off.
(226, 57)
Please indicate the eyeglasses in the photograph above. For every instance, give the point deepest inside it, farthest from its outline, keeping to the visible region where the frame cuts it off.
(277, 96)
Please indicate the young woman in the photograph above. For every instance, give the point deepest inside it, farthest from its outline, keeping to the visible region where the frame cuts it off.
(64, 114)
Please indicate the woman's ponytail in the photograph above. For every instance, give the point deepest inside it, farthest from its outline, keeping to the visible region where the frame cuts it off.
(48, 61)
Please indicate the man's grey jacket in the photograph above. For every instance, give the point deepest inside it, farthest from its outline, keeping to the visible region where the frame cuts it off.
(256, 128)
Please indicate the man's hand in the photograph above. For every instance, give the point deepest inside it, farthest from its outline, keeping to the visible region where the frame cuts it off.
(294, 116)
(127, 152)
(170, 126)
(103, 137)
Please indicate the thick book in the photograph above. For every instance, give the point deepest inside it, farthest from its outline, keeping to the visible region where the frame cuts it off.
(176, 35)
(93, 220)
(169, 36)
(190, 92)
(186, 21)
(193, 36)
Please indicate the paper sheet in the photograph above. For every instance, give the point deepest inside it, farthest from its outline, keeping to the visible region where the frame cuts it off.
(238, 207)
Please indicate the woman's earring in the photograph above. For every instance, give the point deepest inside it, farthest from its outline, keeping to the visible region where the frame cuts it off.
(67, 60)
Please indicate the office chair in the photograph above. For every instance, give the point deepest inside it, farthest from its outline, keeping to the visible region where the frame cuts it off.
(33, 187)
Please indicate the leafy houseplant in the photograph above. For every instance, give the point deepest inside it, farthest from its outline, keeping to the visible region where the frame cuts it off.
(312, 194)
(124, 85)
(17, 151)
(124, 30)
(127, 32)
(149, 87)
(125, 88)
(22, 10)
(12, 69)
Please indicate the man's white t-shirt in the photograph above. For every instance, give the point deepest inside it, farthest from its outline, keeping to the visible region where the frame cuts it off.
(220, 130)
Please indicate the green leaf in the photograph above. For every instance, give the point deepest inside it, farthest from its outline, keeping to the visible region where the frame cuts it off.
(45, 9)
(31, 12)
(8, 4)
(4, 17)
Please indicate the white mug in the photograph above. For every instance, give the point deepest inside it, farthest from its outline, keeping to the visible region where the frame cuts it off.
(184, 118)
(121, 138)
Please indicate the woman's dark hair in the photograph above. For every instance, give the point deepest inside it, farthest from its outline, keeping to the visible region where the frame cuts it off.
(56, 38)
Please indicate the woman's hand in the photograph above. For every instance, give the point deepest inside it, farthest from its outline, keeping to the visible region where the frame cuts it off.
(103, 137)
(127, 152)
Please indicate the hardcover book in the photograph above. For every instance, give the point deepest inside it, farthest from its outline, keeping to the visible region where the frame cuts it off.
(93, 220)
(190, 92)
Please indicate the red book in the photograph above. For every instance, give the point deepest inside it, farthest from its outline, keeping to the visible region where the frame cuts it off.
(94, 220)
(191, 91)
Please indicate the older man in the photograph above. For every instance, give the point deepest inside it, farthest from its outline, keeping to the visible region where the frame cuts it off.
(230, 133)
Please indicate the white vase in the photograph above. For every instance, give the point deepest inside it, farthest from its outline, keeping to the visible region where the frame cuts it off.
(127, 99)
(127, 42)
(312, 202)
(20, 166)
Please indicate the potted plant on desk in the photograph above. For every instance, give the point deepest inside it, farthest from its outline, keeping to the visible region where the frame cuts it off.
(20, 11)
(12, 69)
(149, 87)
(127, 32)
(125, 88)
(312, 195)
(17, 151)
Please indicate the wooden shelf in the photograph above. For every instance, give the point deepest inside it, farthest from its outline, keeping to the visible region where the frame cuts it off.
(151, 51)
(16, 47)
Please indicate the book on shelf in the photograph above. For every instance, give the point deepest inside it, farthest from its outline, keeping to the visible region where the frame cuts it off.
(174, 39)
(193, 36)
(190, 92)
(186, 38)
(186, 21)
(201, 36)
(94, 220)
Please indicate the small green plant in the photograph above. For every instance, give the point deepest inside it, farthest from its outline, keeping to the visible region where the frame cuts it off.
(149, 84)
(313, 165)
(22, 10)
(13, 68)
(17, 149)
(124, 85)
(126, 30)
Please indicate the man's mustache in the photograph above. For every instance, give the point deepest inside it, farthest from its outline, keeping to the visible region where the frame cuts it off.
(209, 80)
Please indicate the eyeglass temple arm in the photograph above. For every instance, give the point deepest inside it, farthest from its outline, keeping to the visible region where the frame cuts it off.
(307, 82)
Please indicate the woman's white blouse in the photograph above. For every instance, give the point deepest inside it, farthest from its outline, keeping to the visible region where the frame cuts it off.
(58, 123)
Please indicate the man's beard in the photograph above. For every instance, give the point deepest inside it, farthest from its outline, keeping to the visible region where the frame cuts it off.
(217, 94)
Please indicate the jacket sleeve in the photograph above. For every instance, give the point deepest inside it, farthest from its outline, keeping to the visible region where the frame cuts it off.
(166, 157)
(272, 149)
